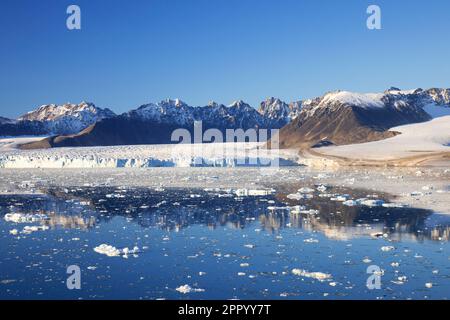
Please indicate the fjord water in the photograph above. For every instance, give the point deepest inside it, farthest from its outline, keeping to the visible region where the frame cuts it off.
(220, 245)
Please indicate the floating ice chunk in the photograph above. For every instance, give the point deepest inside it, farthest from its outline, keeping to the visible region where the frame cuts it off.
(315, 275)
(195, 196)
(244, 265)
(350, 203)
(14, 232)
(387, 248)
(134, 251)
(299, 196)
(108, 250)
(395, 205)
(305, 190)
(112, 251)
(250, 246)
(188, 289)
(395, 264)
(367, 260)
(30, 229)
(429, 285)
(253, 192)
(311, 240)
(322, 188)
(24, 217)
(341, 198)
(241, 274)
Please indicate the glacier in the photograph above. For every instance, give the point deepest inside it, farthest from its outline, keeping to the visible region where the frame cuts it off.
(146, 156)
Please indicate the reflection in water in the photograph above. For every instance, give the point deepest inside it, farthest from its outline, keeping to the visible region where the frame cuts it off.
(230, 247)
(173, 210)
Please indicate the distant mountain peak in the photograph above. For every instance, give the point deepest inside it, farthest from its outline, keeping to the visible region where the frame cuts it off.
(239, 104)
(67, 118)
(173, 102)
(213, 104)
(4, 120)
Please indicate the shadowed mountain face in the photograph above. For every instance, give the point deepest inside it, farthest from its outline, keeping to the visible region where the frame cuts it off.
(123, 130)
(22, 128)
(5, 120)
(347, 120)
(110, 132)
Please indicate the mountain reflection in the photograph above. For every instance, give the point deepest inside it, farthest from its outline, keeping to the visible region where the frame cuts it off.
(173, 210)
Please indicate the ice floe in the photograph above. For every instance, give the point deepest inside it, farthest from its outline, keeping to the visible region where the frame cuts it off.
(184, 289)
(315, 275)
(112, 251)
(24, 217)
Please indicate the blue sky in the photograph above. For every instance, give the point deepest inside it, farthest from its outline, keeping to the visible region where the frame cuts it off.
(132, 52)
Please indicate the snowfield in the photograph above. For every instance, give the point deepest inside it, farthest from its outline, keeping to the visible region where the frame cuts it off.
(415, 139)
(364, 100)
(11, 143)
(143, 156)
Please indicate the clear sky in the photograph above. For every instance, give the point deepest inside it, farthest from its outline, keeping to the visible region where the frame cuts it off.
(133, 52)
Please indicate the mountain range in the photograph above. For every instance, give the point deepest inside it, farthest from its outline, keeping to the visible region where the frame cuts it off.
(343, 117)
(338, 117)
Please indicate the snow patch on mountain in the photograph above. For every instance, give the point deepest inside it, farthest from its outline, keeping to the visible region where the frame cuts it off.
(364, 100)
(436, 102)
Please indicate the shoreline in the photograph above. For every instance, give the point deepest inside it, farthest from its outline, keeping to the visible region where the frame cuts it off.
(429, 159)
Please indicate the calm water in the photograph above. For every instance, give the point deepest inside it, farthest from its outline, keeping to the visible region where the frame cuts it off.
(227, 246)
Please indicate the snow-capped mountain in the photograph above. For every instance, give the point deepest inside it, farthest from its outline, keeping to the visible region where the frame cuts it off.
(67, 118)
(343, 117)
(429, 100)
(166, 111)
(436, 102)
(237, 115)
(278, 112)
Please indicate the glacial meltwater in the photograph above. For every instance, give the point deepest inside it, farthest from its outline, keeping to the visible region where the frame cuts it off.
(291, 242)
